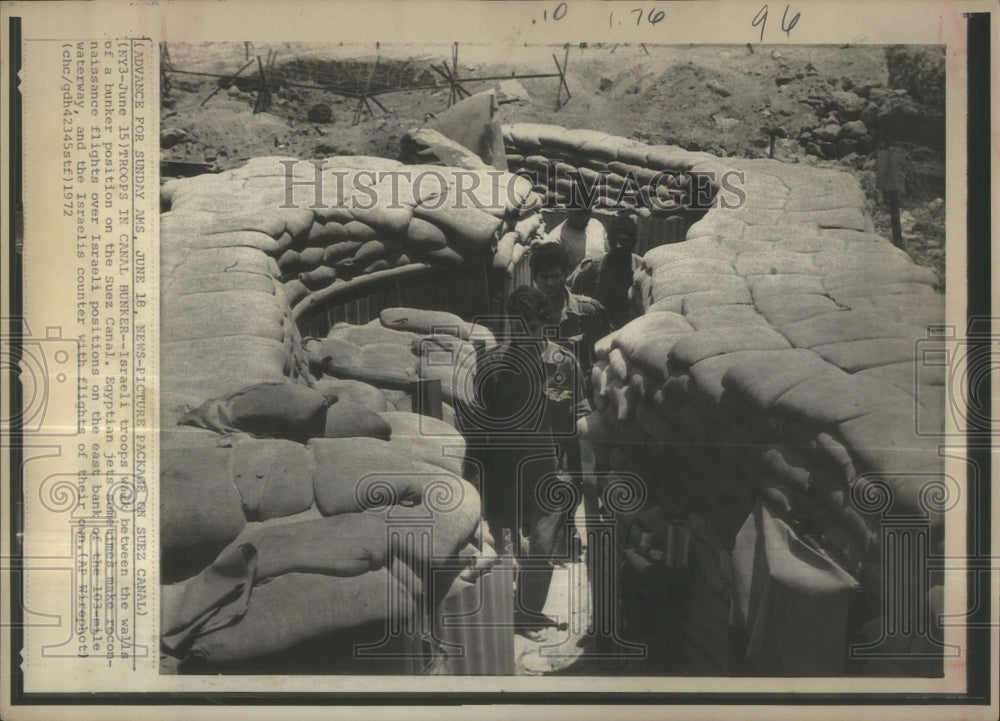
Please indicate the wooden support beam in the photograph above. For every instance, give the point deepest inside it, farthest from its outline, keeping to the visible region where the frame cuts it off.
(562, 79)
(229, 81)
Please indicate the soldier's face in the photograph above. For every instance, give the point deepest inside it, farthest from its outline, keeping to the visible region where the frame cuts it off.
(551, 282)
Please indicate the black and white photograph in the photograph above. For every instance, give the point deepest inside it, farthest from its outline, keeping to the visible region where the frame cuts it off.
(593, 359)
(454, 358)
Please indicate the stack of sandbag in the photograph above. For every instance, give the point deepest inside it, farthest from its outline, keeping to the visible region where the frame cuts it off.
(622, 172)
(777, 360)
(267, 543)
(316, 225)
(376, 364)
(515, 243)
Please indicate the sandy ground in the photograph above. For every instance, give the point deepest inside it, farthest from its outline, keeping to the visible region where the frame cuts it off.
(720, 99)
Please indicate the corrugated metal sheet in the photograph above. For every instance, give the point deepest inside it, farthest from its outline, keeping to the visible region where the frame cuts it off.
(659, 231)
(479, 620)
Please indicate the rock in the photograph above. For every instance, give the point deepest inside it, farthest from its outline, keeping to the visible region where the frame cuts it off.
(854, 129)
(766, 113)
(776, 55)
(870, 114)
(847, 105)
(848, 146)
(718, 88)
(783, 79)
(846, 83)
(320, 113)
(814, 149)
(173, 136)
(724, 123)
(799, 75)
(827, 132)
(605, 84)
(907, 221)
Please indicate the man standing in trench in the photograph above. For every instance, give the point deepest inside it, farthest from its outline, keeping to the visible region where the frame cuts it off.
(530, 396)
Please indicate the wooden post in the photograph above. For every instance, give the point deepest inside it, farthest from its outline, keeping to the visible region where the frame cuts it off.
(562, 78)
(454, 74)
(425, 395)
(246, 49)
(770, 152)
(227, 82)
(263, 94)
(890, 179)
(892, 197)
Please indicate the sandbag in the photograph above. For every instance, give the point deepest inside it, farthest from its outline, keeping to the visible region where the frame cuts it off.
(345, 419)
(782, 309)
(200, 509)
(424, 322)
(361, 394)
(446, 257)
(848, 325)
(372, 332)
(830, 398)
(295, 290)
(210, 315)
(188, 285)
(466, 228)
(279, 410)
(667, 283)
(647, 339)
(724, 316)
(761, 377)
(782, 285)
(427, 439)
(359, 232)
(322, 351)
(274, 477)
(318, 278)
(296, 607)
(353, 474)
(342, 250)
(345, 545)
(217, 366)
(732, 295)
(706, 343)
(424, 236)
(774, 262)
(214, 598)
(450, 361)
(325, 234)
(389, 358)
(858, 355)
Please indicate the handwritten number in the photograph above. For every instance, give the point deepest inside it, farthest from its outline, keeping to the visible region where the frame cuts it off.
(560, 12)
(638, 17)
(795, 20)
(761, 19)
(656, 16)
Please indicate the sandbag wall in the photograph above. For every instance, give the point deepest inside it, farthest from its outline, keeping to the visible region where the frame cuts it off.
(268, 538)
(658, 180)
(770, 398)
(354, 217)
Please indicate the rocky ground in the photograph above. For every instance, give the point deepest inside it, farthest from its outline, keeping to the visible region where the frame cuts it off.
(823, 105)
